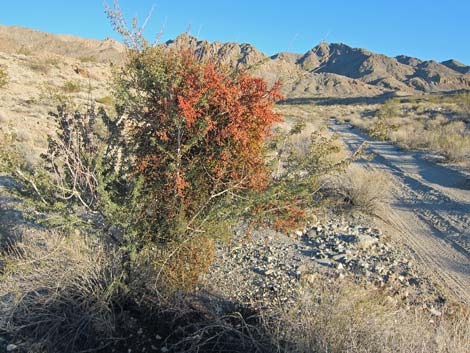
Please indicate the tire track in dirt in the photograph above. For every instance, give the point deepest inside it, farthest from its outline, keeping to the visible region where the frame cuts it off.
(429, 210)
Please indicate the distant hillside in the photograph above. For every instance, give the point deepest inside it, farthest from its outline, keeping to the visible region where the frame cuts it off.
(337, 69)
(333, 70)
(18, 39)
(402, 73)
(296, 81)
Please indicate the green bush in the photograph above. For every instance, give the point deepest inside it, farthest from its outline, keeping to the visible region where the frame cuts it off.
(88, 59)
(71, 87)
(106, 100)
(3, 76)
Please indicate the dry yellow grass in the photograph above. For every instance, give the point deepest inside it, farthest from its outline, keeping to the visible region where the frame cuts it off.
(344, 317)
(57, 292)
(362, 189)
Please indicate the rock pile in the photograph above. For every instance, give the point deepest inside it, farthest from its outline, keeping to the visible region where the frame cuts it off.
(269, 267)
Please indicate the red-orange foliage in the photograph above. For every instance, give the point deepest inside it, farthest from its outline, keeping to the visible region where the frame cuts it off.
(200, 131)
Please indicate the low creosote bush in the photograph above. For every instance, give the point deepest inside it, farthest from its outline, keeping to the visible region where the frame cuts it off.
(3, 76)
(71, 87)
(88, 59)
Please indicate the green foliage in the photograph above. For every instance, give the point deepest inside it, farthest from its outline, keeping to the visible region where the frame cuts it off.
(71, 87)
(88, 59)
(298, 166)
(390, 109)
(55, 96)
(3, 76)
(9, 156)
(52, 61)
(464, 102)
(106, 100)
(383, 127)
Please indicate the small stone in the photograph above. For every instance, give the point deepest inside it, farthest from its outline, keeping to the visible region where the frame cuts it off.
(435, 312)
(363, 264)
(164, 349)
(11, 347)
(324, 262)
(269, 272)
(366, 241)
(158, 337)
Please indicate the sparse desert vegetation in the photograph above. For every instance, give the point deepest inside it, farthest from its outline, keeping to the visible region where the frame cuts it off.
(182, 210)
(3, 77)
(347, 318)
(362, 189)
(436, 124)
(71, 87)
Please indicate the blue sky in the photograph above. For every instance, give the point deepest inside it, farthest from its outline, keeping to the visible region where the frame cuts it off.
(428, 29)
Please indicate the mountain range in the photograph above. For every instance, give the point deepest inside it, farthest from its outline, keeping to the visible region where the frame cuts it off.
(327, 70)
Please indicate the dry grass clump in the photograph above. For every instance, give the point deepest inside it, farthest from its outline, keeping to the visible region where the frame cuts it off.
(362, 189)
(465, 105)
(347, 318)
(453, 140)
(39, 66)
(449, 138)
(57, 293)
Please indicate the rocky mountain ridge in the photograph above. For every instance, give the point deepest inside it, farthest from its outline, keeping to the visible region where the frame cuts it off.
(327, 70)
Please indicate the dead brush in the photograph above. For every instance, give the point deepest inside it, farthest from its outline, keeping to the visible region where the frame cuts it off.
(364, 190)
(57, 293)
(344, 317)
(237, 332)
(453, 141)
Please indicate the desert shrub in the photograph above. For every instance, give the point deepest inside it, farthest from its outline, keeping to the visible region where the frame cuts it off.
(464, 103)
(363, 189)
(390, 109)
(88, 59)
(384, 124)
(200, 143)
(24, 50)
(187, 144)
(106, 100)
(453, 140)
(55, 96)
(52, 61)
(3, 76)
(39, 66)
(9, 155)
(71, 87)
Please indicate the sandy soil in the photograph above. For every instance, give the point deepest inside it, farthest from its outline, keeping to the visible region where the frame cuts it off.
(429, 210)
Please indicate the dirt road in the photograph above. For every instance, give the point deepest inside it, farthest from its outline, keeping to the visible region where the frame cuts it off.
(429, 210)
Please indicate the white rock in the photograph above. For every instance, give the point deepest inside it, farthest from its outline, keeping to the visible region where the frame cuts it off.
(435, 312)
(11, 347)
(366, 241)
